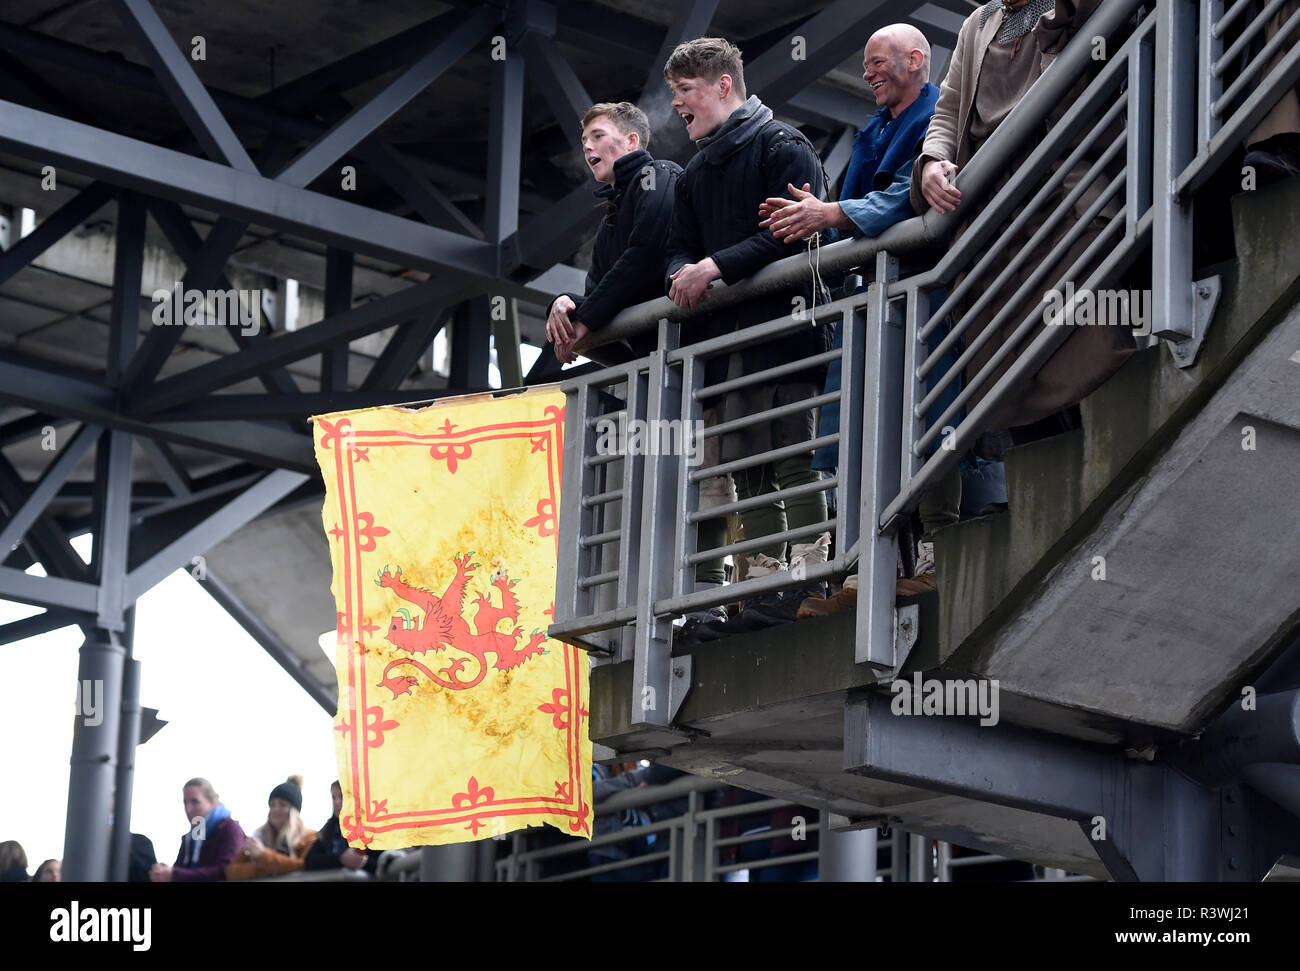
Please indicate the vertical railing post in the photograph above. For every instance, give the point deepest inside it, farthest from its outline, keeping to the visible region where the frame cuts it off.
(944, 855)
(853, 376)
(913, 425)
(1141, 133)
(1175, 135)
(656, 683)
(882, 419)
(568, 597)
(1210, 82)
(686, 535)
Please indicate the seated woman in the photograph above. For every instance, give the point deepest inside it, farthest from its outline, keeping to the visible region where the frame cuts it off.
(282, 843)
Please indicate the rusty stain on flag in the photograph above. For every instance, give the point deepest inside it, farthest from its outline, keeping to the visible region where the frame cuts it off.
(458, 719)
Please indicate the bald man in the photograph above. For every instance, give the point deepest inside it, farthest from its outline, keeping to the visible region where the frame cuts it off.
(896, 66)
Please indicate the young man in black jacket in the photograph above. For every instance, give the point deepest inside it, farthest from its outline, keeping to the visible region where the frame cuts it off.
(627, 262)
(627, 266)
(745, 157)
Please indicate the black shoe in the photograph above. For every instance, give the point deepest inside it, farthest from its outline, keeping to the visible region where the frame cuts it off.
(1272, 167)
(716, 630)
(771, 611)
(690, 631)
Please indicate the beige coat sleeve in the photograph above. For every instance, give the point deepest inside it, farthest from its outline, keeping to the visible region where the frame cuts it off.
(941, 136)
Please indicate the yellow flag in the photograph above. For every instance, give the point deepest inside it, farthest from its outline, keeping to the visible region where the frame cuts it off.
(458, 719)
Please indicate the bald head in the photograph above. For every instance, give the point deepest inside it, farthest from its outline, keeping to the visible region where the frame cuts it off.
(896, 64)
(902, 39)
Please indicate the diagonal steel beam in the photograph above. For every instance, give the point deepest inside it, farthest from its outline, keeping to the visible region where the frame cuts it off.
(395, 95)
(560, 85)
(269, 641)
(830, 36)
(183, 87)
(66, 218)
(204, 267)
(242, 195)
(47, 487)
(402, 352)
(44, 539)
(364, 65)
(29, 426)
(53, 619)
(418, 192)
(167, 466)
(427, 298)
(829, 107)
(91, 402)
(553, 234)
(47, 591)
(212, 530)
(246, 110)
(403, 177)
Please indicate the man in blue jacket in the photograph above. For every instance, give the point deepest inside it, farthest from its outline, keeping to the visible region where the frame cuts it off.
(896, 65)
(874, 196)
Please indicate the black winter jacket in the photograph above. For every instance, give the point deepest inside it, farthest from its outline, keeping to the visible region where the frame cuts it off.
(749, 158)
(628, 259)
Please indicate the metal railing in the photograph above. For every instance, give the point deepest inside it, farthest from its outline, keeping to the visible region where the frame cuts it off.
(687, 848)
(1093, 189)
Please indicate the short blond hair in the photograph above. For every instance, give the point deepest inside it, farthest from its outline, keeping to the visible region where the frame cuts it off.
(627, 118)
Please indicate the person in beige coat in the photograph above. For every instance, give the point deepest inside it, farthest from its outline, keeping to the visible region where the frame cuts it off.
(1002, 49)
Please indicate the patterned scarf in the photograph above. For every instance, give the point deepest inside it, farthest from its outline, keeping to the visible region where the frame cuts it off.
(1018, 16)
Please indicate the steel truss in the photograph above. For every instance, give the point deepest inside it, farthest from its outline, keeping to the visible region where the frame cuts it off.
(145, 529)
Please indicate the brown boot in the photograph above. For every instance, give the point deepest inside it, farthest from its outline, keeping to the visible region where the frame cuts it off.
(846, 599)
(922, 583)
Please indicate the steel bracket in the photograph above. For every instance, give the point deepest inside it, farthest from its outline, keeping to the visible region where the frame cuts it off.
(1205, 300)
(679, 685)
(907, 628)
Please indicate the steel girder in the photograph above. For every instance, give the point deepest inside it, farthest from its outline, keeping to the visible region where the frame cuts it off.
(173, 175)
(1197, 814)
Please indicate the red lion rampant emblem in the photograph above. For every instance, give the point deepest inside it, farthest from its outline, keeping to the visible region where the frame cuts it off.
(443, 625)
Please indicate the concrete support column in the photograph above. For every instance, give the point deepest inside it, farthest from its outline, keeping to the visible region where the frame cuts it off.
(94, 758)
(848, 857)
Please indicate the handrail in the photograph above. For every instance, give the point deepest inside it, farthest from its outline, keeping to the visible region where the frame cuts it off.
(912, 234)
(649, 795)
(1103, 200)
